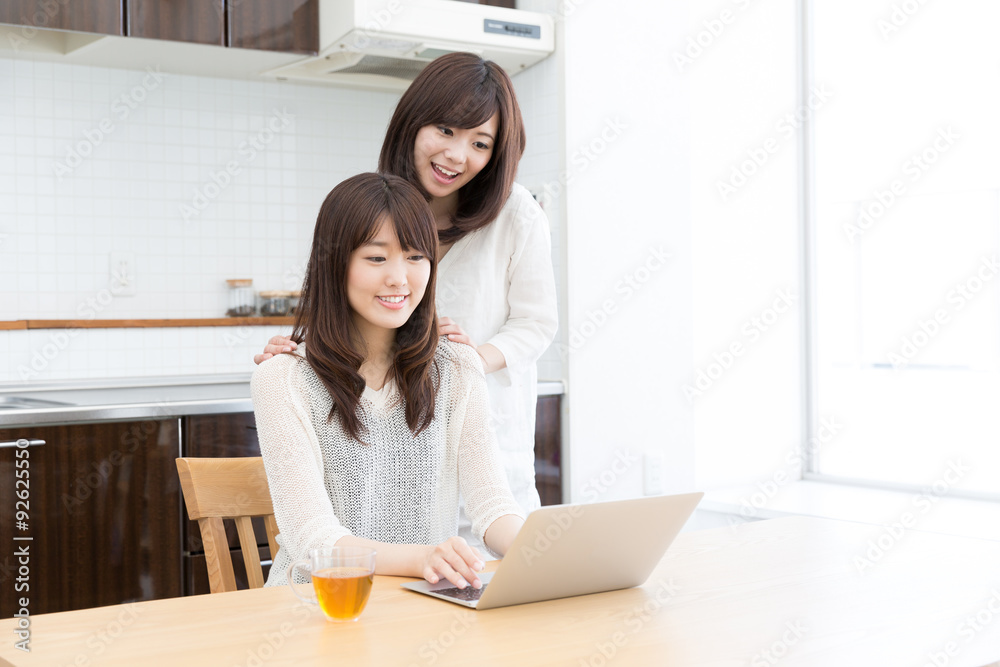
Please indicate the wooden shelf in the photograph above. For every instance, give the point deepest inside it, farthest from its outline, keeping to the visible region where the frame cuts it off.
(146, 324)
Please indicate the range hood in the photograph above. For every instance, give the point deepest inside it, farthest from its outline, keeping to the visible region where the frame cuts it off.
(384, 44)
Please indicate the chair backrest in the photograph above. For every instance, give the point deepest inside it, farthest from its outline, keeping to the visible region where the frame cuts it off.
(228, 488)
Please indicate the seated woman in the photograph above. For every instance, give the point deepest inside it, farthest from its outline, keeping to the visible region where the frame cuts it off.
(373, 426)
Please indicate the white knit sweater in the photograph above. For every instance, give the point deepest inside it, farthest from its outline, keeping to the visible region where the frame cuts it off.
(397, 488)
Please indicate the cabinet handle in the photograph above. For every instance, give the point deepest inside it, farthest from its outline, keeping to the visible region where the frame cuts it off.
(19, 443)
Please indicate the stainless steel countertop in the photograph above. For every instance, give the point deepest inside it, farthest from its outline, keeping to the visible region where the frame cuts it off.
(82, 401)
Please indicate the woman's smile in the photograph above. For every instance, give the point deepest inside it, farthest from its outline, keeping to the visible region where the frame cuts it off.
(393, 302)
(445, 176)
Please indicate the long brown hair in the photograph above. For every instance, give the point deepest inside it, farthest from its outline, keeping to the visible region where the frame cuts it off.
(464, 91)
(351, 216)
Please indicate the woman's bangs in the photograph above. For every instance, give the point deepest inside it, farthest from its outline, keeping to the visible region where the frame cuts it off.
(412, 233)
(366, 227)
(476, 107)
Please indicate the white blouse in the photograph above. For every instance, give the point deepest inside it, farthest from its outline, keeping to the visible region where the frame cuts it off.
(497, 284)
(397, 488)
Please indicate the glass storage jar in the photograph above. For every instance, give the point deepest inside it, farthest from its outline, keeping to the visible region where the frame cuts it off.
(241, 298)
(293, 301)
(274, 304)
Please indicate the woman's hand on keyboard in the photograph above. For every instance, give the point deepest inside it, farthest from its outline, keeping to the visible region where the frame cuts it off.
(455, 561)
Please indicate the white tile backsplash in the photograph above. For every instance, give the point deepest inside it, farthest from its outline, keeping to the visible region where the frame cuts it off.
(202, 179)
(538, 95)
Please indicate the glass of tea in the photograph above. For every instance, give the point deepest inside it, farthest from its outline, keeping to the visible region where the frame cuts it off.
(341, 580)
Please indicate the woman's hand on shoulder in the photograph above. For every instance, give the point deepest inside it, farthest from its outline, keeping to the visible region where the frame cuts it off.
(276, 345)
(455, 561)
(491, 358)
(448, 327)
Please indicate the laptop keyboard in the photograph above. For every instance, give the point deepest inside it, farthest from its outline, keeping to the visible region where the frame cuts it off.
(468, 593)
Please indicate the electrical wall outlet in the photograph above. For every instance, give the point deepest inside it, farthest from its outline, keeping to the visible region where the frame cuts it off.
(652, 474)
(122, 270)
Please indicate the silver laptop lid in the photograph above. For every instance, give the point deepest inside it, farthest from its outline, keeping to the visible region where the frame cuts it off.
(566, 550)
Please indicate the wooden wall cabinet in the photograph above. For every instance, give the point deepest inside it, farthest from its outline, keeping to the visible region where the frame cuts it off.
(198, 21)
(104, 506)
(99, 16)
(290, 26)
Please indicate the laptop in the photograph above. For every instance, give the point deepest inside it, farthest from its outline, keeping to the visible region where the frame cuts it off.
(567, 550)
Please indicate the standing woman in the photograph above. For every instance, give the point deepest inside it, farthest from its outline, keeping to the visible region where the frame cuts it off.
(457, 135)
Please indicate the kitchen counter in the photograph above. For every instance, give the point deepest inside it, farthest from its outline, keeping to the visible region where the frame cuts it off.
(82, 401)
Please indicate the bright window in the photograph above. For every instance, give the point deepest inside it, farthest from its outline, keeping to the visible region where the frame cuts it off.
(906, 177)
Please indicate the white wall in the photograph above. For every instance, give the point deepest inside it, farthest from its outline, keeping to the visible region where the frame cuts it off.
(745, 249)
(686, 119)
(627, 201)
(538, 95)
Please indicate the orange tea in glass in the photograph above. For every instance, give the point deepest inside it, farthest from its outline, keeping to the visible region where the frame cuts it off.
(341, 580)
(343, 591)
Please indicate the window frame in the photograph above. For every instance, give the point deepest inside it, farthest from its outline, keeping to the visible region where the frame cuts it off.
(808, 282)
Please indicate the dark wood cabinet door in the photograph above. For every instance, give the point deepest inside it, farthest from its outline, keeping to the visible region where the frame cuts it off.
(199, 21)
(548, 455)
(291, 26)
(100, 16)
(104, 515)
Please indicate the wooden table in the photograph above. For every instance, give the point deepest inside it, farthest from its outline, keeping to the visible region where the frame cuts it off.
(791, 591)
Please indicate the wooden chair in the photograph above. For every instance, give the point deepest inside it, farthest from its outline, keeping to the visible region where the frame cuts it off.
(228, 488)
